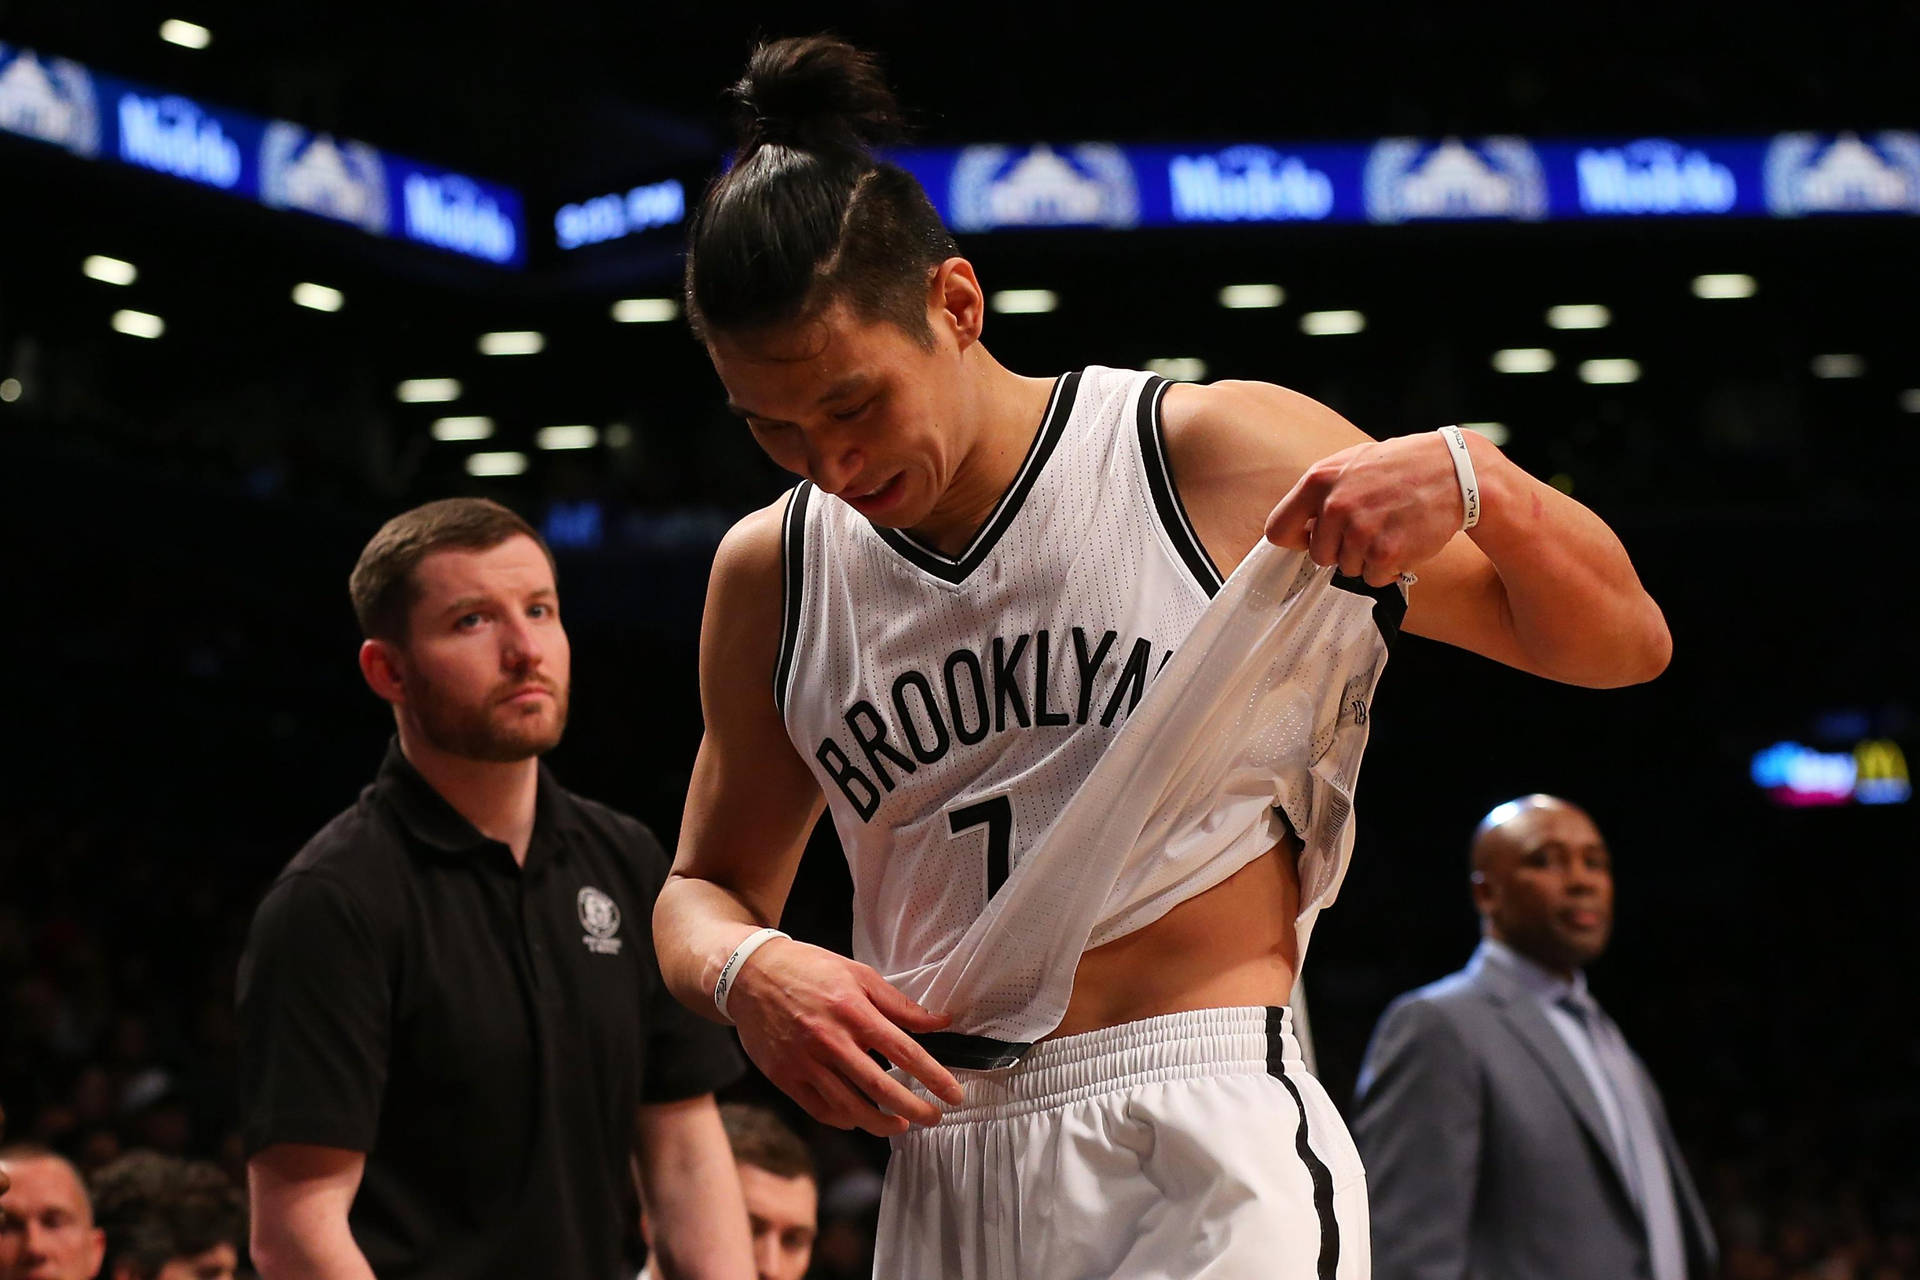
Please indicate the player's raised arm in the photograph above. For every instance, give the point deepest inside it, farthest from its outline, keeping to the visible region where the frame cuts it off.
(1540, 582)
(807, 1017)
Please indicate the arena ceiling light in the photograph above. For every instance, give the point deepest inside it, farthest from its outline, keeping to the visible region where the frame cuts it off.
(188, 35)
(138, 324)
(428, 390)
(1252, 297)
(577, 437)
(468, 428)
(517, 342)
(1523, 360)
(1839, 366)
(1324, 324)
(1584, 315)
(1724, 286)
(496, 464)
(1494, 431)
(317, 297)
(1910, 401)
(10, 390)
(109, 270)
(1179, 368)
(1609, 371)
(1024, 302)
(645, 310)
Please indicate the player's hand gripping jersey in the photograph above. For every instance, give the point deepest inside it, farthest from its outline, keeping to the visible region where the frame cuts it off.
(1050, 740)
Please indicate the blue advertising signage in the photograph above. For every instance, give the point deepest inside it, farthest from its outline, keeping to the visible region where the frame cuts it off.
(51, 100)
(1406, 180)
(173, 135)
(271, 162)
(994, 187)
(618, 214)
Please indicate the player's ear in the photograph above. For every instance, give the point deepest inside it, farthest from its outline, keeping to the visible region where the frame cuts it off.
(383, 668)
(956, 301)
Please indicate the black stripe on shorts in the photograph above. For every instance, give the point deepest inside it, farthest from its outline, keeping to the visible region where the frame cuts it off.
(1316, 1168)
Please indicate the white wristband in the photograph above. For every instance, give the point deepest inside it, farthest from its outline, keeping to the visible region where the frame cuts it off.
(731, 969)
(1463, 472)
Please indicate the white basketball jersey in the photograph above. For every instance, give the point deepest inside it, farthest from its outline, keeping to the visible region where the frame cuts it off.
(1007, 790)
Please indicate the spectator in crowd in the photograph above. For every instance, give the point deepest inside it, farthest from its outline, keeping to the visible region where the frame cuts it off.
(46, 1220)
(169, 1219)
(1508, 1131)
(781, 1186)
(453, 1024)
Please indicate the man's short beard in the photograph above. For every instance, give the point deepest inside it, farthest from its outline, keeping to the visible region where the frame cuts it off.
(474, 733)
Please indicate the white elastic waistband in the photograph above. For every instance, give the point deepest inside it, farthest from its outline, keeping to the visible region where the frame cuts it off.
(1174, 1046)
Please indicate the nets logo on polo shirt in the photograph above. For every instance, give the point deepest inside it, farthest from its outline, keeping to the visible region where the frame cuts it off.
(600, 917)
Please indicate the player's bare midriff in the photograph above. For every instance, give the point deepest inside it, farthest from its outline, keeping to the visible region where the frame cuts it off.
(1231, 945)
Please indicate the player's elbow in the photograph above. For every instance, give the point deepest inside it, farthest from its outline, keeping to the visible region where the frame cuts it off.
(1652, 646)
(1639, 651)
(1659, 645)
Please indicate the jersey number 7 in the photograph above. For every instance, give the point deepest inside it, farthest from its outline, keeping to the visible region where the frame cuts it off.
(997, 815)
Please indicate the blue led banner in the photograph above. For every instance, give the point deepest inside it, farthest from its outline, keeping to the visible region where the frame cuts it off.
(991, 187)
(618, 214)
(1405, 180)
(271, 162)
(1397, 180)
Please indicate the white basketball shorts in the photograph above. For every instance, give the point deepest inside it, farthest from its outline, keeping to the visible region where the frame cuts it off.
(1178, 1147)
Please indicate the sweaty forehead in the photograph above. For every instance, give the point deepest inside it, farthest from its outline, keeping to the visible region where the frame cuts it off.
(804, 341)
(788, 372)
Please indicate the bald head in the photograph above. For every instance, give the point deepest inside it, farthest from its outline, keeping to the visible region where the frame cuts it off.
(46, 1219)
(1509, 824)
(1543, 881)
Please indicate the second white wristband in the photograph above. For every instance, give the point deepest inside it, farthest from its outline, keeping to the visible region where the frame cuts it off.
(731, 969)
(1463, 472)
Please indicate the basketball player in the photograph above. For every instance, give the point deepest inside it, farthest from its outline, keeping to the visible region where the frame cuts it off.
(948, 630)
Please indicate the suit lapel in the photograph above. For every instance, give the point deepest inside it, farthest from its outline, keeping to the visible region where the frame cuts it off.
(1522, 1014)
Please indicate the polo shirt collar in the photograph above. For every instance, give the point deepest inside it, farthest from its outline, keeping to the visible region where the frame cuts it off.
(435, 823)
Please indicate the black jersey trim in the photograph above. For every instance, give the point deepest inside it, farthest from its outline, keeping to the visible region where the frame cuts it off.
(1317, 1170)
(1389, 604)
(950, 569)
(793, 579)
(1166, 499)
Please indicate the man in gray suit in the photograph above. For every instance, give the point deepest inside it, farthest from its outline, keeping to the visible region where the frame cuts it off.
(1507, 1130)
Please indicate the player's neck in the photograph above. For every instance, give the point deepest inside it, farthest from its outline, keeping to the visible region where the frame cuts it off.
(497, 798)
(1004, 410)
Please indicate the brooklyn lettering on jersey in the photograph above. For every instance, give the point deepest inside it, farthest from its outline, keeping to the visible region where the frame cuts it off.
(1010, 684)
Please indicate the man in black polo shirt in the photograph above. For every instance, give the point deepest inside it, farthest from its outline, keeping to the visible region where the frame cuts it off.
(454, 1030)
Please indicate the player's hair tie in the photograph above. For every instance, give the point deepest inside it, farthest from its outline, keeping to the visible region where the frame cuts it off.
(731, 969)
(1463, 472)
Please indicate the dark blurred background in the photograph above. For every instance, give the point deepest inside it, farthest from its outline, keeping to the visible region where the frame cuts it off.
(183, 510)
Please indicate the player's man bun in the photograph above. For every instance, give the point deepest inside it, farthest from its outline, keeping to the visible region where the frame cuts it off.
(808, 217)
(814, 93)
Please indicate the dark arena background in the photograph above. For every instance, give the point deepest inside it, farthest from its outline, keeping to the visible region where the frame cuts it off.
(1669, 256)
